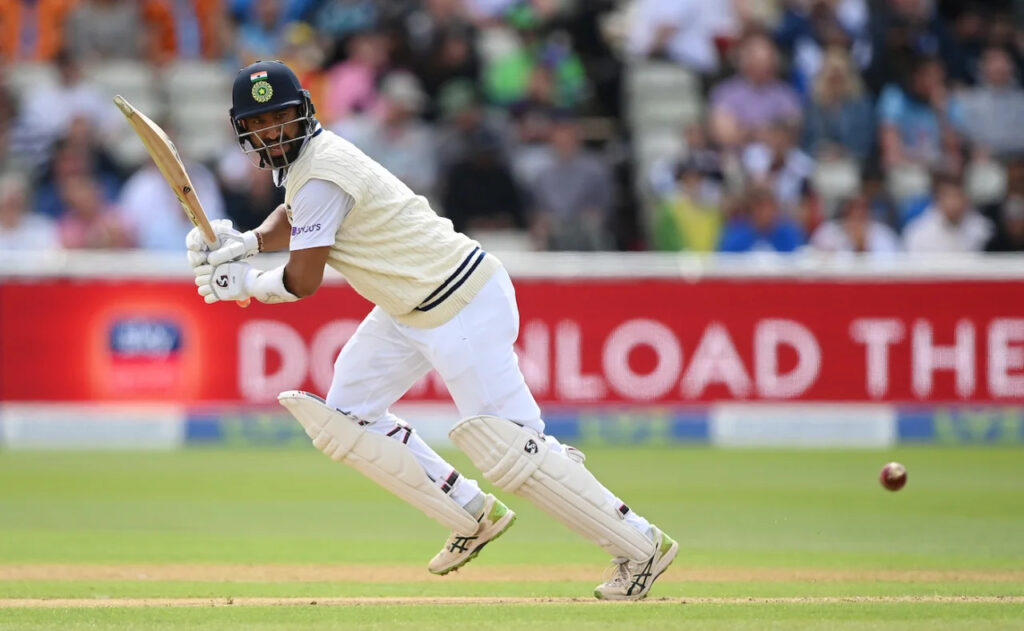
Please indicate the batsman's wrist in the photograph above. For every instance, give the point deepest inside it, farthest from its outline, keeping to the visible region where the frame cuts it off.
(269, 286)
(253, 242)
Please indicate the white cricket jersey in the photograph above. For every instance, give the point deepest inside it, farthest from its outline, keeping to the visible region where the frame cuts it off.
(387, 242)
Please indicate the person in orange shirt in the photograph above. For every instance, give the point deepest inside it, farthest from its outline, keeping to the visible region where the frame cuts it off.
(185, 29)
(32, 30)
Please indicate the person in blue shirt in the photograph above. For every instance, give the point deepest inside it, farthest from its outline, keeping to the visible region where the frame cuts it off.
(759, 225)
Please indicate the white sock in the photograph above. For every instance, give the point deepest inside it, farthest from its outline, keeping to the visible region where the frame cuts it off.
(475, 506)
(458, 487)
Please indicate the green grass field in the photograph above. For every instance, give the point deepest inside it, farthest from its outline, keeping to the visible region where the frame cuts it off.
(252, 539)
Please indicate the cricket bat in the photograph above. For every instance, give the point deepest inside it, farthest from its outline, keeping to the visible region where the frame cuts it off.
(166, 157)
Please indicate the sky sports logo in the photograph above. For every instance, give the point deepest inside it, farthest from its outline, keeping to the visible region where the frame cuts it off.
(144, 338)
(297, 230)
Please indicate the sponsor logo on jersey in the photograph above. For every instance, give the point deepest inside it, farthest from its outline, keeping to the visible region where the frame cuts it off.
(297, 230)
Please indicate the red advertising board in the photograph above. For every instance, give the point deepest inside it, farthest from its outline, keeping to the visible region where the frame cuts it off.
(656, 341)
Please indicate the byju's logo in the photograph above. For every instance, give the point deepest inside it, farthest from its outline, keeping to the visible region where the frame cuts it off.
(297, 230)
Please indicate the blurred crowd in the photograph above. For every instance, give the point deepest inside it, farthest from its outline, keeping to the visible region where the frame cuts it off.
(681, 125)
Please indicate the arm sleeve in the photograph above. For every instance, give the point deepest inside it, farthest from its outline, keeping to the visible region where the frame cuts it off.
(317, 212)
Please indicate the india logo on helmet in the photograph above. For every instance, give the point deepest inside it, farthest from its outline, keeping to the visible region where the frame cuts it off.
(262, 91)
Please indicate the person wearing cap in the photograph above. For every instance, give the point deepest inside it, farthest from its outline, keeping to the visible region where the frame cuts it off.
(441, 302)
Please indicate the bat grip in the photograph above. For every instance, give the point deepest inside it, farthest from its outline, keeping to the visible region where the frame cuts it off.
(214, 243)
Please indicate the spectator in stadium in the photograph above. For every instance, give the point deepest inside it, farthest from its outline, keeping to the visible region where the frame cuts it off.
(840, 117)
(290, 10)
(778, 162)
(351, 85)
(463, 119)
(261, 35)
(393, 135)
(873, 186)
(920, 121)
(967, 31)
(756, 224)
(439, 42)
(76, 154)
(305, 54)
(89, 221)
(429, 22)
(902, 31)
(994, 110)
(807, 30)
(186, 29)
(697, 149)
(32, 30)
(246, 189)
(507, 77)
(949, 224)
(682, 31)
(110, 29)
(9, 156)
(1004, 31)
(20, 228)
(855, 231)
(691, 218)
(1009, 235)
(338, 20)
(480, 192)
(531, 151)
(48, 111)
(149, 205)
(745, 104)
(572, 200)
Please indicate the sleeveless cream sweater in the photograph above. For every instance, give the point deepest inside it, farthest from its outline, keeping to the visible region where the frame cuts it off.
(392, 247)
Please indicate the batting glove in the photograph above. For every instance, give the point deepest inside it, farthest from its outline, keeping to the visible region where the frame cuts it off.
(228, 281)
(236, 244)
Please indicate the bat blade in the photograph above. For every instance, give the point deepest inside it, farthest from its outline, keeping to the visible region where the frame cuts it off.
(165, 156)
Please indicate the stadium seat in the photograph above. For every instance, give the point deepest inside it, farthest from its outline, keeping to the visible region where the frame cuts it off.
(131, 79)
(908, 181)
(985, 181)
(23, 76)
(196, 78)
(836, 179)
(646, 79)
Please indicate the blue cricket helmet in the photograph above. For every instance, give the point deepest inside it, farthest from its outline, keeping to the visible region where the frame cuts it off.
(266, 86)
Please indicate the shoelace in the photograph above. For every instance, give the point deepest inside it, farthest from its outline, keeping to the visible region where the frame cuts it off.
(618, 572)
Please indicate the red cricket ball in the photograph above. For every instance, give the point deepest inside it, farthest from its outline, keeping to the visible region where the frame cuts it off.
(893, 476)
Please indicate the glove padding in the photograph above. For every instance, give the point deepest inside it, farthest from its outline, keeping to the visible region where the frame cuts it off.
(239, 281)
(231, 245)
(228, 281)
(235, 247)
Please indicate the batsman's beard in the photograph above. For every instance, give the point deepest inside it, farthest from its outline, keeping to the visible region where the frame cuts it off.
(290, 152)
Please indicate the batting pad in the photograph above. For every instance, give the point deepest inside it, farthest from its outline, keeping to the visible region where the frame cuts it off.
(385, 460)
(520, 461)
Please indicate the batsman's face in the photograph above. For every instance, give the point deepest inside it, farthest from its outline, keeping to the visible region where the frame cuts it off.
(274, 135)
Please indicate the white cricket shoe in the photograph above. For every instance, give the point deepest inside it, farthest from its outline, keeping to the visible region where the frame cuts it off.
(633, 579)
(459, 550)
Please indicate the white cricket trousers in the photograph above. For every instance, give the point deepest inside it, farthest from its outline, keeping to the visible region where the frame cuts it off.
(472, 352)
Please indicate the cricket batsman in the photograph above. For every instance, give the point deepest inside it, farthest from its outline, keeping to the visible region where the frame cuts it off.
(440, 302)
